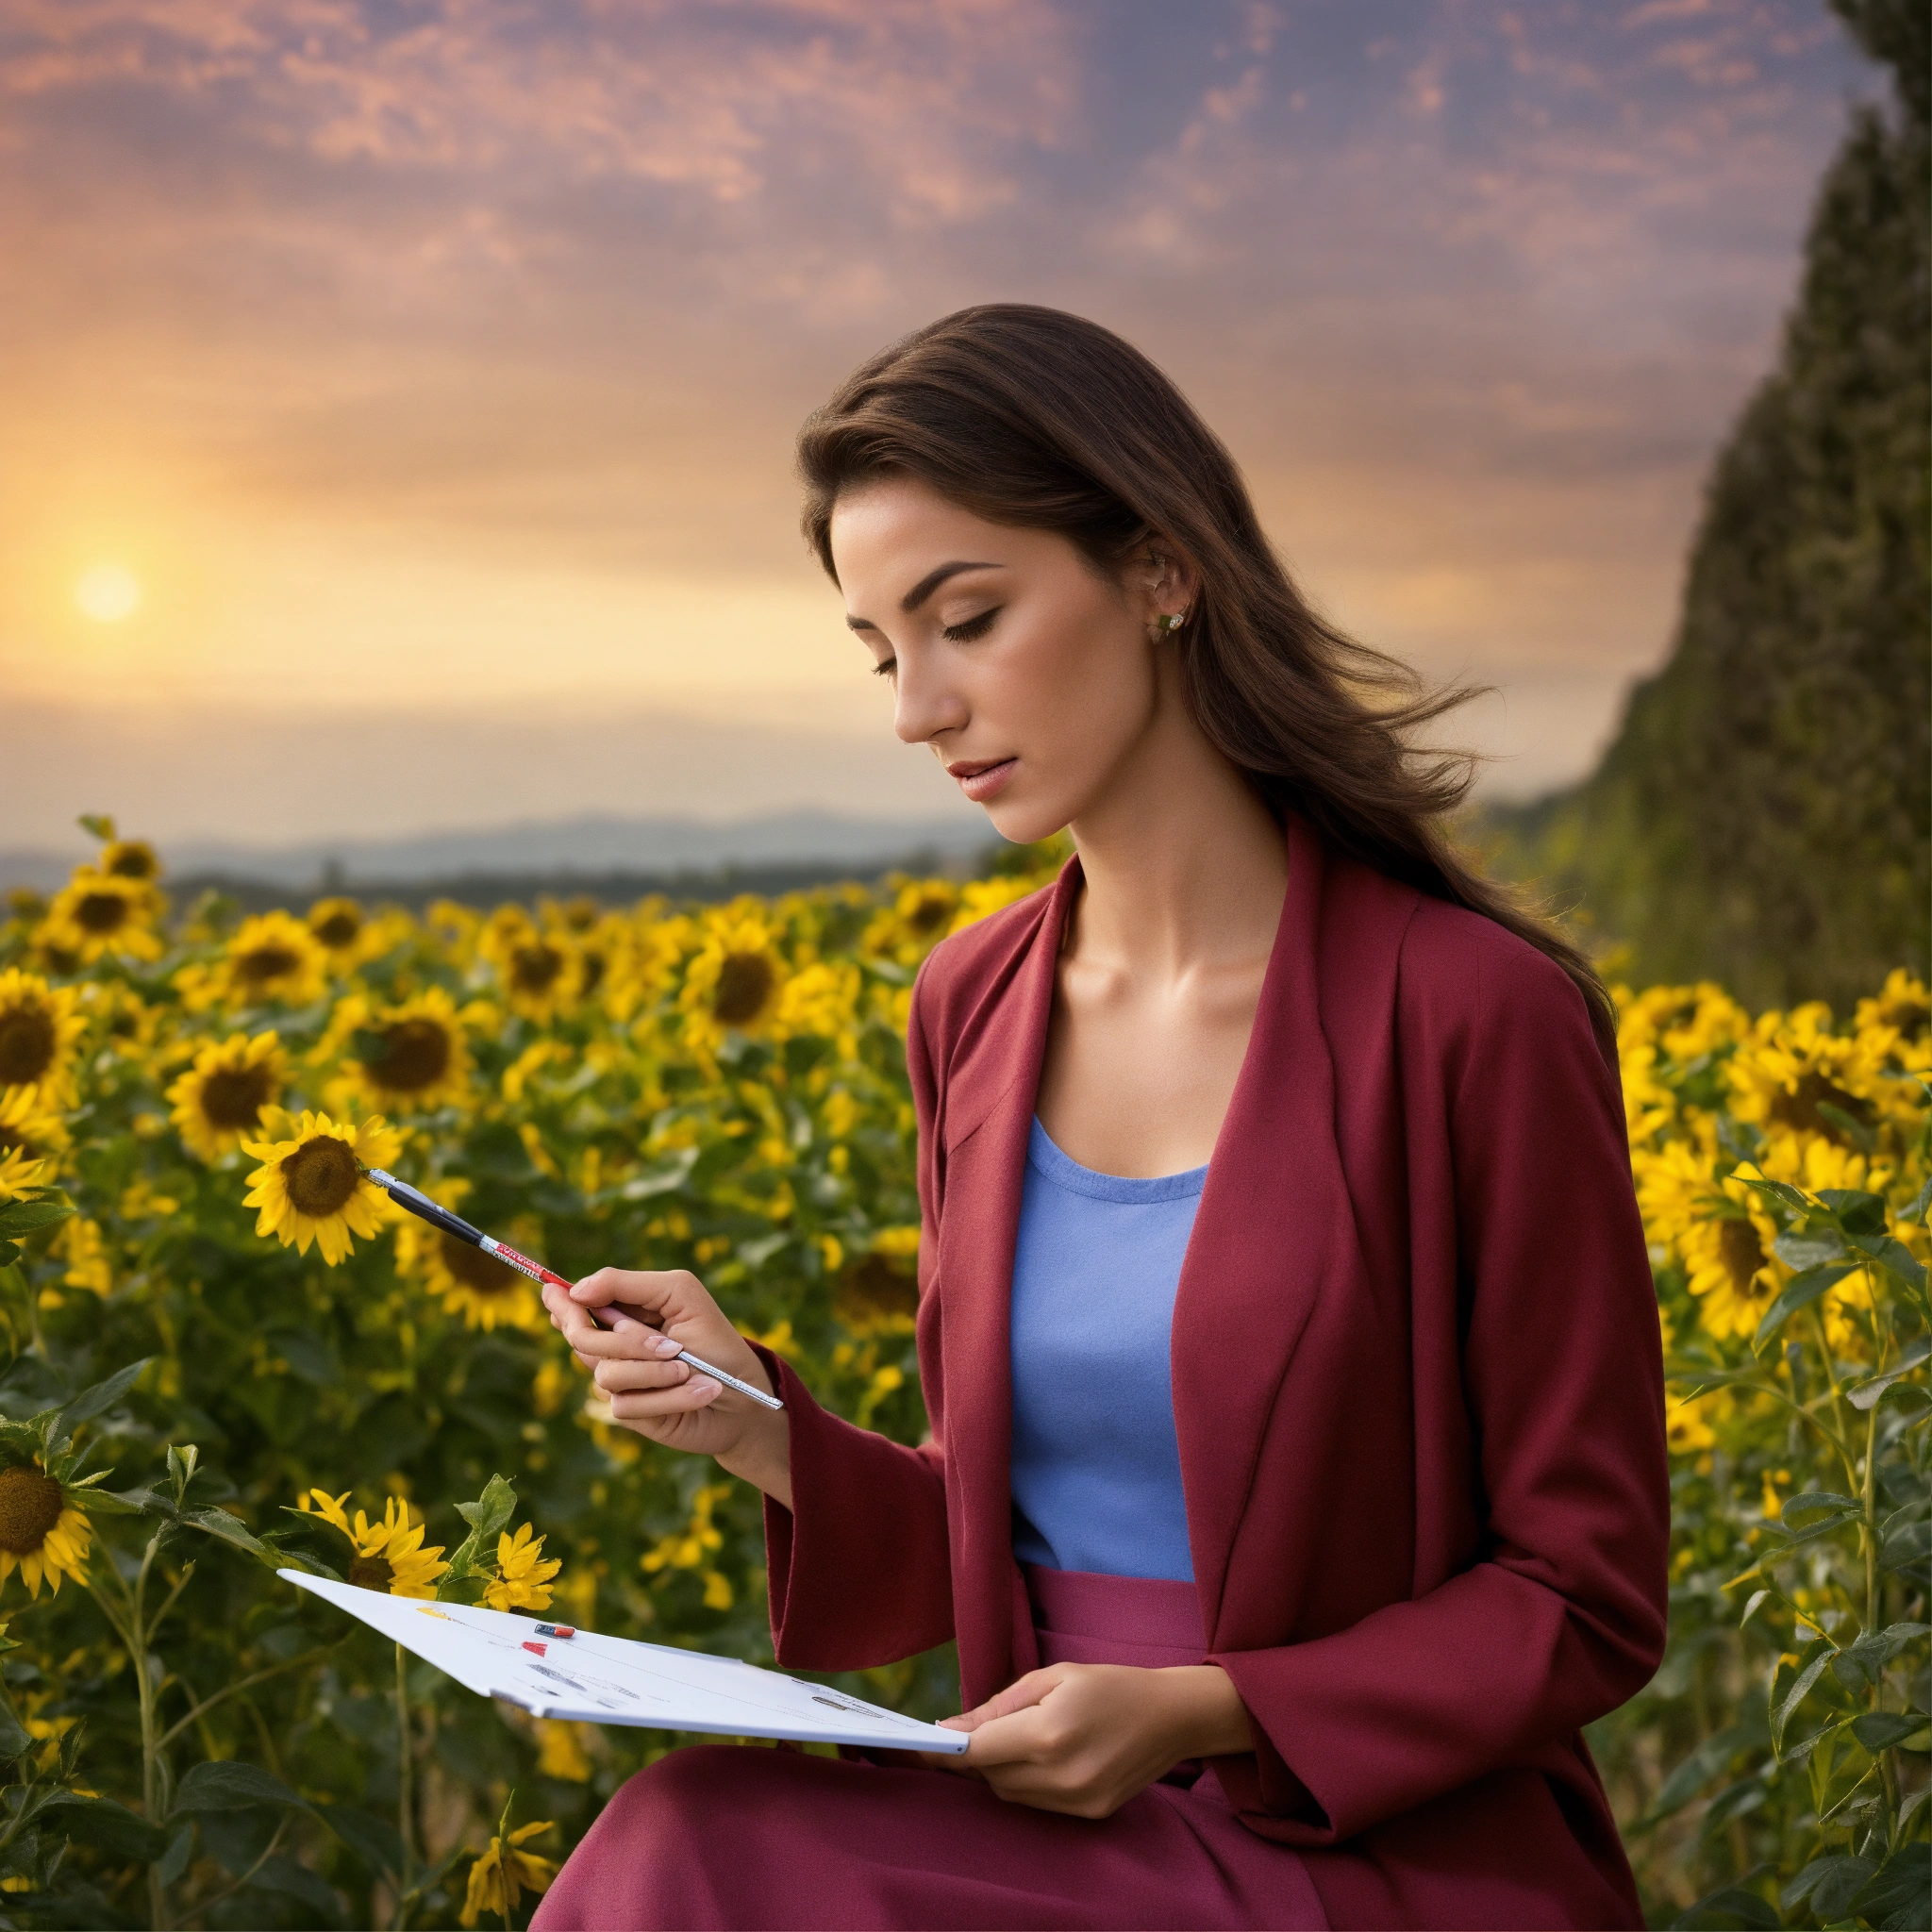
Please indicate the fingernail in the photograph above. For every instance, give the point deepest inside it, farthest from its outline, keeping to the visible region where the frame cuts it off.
(702, 1385)
(664, 1346)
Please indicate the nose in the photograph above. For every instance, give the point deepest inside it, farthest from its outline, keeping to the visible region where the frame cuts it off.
(926, 703)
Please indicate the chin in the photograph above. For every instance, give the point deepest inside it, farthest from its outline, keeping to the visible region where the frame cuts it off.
(1021, 821)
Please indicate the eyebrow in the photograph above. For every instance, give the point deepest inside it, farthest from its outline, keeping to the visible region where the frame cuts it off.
(923, 589)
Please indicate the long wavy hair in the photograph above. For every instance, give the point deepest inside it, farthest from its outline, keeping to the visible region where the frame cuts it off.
(1042, 419)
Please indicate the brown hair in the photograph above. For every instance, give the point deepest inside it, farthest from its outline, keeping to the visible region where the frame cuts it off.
(1031, 417)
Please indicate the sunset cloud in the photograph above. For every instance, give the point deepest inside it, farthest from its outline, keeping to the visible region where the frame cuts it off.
(458, 344)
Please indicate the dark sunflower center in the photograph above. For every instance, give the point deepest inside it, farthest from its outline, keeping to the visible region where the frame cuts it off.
(927, 913)
(60, 960)
(233, 1097)
(1909, 1016)
(133, 862)
(340, 929)
(580, 915)
(415, 1055)
(1740, 1251)
(534, 968)
(26, 1045)
(744, 983)
(320, 1175)
(593, 971)
(29, 1508)
(101, 912)
(372, 1572)
(260, 964)
(872, 1286)
(480, 1273)
(1799, 1108)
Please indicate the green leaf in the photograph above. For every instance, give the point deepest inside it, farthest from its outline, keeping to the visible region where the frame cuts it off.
(107, 1826)
(181, 1464)
(1858, 1212)
(1810, 1248)
(1908, 1544)
(174, 1859)
(1796, 1695)
(487, 1516)
(1727, 1906)
(231, 1529)
(100, 824)
(373, 1840)
(1851, 1127)
(1830, 1883)
(115, 1501)
(1777, 1191)
(1880, 1730)
(1704, 1764)
(90, 1402)
(30, 1217)
(1895, 1256)
(1816, 1499)
(13, 1733)
(276, 1874)
(225, 1784)
(1864, 1395)
(1798, 1290)
(1899, 1894)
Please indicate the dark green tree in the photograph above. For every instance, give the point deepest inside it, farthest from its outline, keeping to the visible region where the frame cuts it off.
(1763, 816)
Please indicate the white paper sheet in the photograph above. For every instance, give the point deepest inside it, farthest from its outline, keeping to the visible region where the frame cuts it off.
(611, 1680)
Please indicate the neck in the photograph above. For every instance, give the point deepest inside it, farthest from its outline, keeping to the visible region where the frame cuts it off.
(1184, 867)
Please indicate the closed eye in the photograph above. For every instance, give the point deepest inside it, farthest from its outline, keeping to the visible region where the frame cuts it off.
(974, 627)
(885, 670)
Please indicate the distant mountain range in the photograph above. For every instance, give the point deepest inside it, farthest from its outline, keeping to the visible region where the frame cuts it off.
(579, 849)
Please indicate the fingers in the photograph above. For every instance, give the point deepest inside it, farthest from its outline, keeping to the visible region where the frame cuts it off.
(646, 1404)
(1022, 1694)
(661, 1295)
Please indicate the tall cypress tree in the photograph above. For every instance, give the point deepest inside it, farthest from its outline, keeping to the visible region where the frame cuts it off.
(1763, 816)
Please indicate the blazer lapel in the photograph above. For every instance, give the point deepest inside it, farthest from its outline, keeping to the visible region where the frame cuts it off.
(1274, 1224)
(988, 1114)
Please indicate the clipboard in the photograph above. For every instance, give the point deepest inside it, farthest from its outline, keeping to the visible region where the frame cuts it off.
(590, 1678)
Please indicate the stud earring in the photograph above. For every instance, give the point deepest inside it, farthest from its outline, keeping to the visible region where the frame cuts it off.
(1172, 619)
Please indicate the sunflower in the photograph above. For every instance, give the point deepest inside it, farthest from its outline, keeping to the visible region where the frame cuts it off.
(523, 1577)
(98, 913)
(41, 1533)
(501, 1875)
(1718, 1229)
(388, 1554)
(412, 1057)
(223, 1096)
(735, 981)
(20, 1173)
(541, 971)
(1797, 1080)
(487, 1292)
(273, 956)
(310, 1185)
(40, 1029)
(31, 1137)
(130, 859)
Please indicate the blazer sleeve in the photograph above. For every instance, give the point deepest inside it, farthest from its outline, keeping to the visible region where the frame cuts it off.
(1561, 1617)
(861, 1570)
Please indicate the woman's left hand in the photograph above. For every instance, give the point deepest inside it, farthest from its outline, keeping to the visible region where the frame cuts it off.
(1083, 1738)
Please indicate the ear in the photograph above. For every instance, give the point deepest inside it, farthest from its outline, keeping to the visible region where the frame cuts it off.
(1164, 580)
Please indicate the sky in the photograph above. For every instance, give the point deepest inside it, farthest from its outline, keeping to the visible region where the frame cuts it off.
(424, 373)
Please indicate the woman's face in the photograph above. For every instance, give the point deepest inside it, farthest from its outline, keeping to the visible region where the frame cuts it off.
(1034, 679)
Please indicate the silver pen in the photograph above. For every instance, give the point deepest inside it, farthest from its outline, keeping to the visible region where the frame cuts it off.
(420, 1204)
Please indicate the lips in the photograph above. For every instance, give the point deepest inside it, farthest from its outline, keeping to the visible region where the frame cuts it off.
(980, 778)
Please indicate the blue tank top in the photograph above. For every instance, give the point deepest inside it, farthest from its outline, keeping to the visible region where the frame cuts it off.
(1097, 1467)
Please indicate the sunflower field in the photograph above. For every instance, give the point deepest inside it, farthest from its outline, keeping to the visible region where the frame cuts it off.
(226, 1353)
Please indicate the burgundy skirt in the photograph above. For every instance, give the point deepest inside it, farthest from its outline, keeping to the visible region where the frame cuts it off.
(740, 1836)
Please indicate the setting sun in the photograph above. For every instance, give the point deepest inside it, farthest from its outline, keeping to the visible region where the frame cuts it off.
(107, 593)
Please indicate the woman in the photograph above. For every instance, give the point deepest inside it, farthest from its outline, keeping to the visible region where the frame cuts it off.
(1297, 1485)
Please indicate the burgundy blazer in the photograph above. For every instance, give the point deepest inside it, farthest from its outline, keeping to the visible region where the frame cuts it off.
(1417, 1384)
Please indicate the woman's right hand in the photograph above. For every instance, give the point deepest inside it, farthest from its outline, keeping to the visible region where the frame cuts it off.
(635, 1368)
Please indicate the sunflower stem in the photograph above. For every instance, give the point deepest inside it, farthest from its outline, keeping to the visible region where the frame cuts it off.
(405, 1805)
